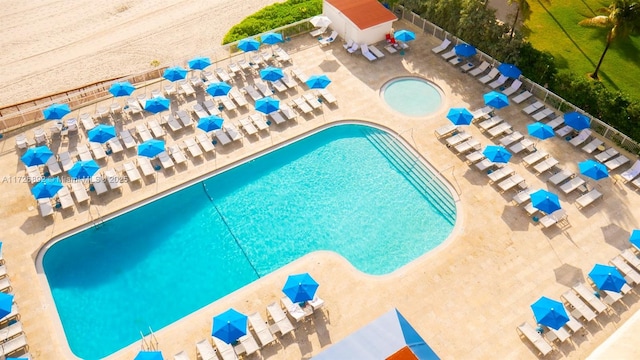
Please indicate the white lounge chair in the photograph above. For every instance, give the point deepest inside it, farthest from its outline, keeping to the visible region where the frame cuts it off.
(364, 49)
(259, 121)
(165, 160)
(545, 165)
(225, 350)
(522, 97)
(252, 92)
(524, 144)
(83, 152)
(289, 81)
(632, 172)
(65, 160)
(560, 334)
(205, 142)
(572, 185)
(222, 136)
(526, 330)
(281, 323)
(184, 118)
(442, 47)
(312, 100)
(480, 69)
(553, 218)
(199, 111)
(132, 172)
(630, 275)
(10, 331)
(588, 198)
(11, 346)
(541, 115)
(205, 350)
(232, 131)
(503, 128)
(523, 196)
(474, 157)
(87, 121)
(581, 137)
(515, 180)
(616, 162)
(532, 107)
(299, 74)
(449, 54)
(192, 147)
(302, 105)
(490, 76)
(375, 51)
(277, 117)
(282, 55)
(329, 39)
(155, 128)
(143, 132)
(580, 309)
(511, 138)
(353, 48)
(97, 150)
(227, 104)
(469, 145)
(249, 344)
(318, 31)
(127, 139)
(171, 121)
(223, 74)
(515, 86)
(98, 185)
(53, 167)
(348, 44)
(261, 329)
(499, 82)
(64, 198)
(181, 356)
(500, 174)
(445, 130)
(80, 192)
(592, 146)
(316, 303)
(248, 126)
(631, 258)
(114, 145)
(288, 112)
(560, 177)
(177, 154)
(327, 96)
(145, 165)
(113, 179)
(212, 108)
(238, 97)
(293, 309)
(606, 155)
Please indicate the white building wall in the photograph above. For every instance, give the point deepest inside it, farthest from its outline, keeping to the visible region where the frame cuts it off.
(348, 30)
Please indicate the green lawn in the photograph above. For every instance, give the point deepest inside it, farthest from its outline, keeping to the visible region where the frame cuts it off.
(554, 27)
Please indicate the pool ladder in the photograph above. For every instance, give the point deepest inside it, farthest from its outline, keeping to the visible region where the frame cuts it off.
(151, 344)
(97, 223)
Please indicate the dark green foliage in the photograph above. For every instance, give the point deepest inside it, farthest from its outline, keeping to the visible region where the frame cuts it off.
(536, 65)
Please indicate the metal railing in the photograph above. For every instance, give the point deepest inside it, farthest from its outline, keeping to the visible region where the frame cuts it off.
(550, 98)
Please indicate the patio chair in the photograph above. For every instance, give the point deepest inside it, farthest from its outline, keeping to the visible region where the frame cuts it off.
(588, 198)
(530, 109)
(572, 185)
(482, 112)
(632, 172)
(263, 88)
(302, 105)
(534, 157)
(616, 162)
(458, 138)
(223, 74)
(464, 147)
(503, 128)
(474, 157)
(249, 344)
(526, 330)
(98, 150)
(515, 86)
(327, 96)
(631, 258)
(261, 329)
(449, 54)
(64, 198)
(511, 138)
(177, 154)
(317, 32)
(115, 146)
(630, 275)
(580, 309)
(258, 120)
(490, 122)
(442, 47)
(98, 185)
(467, 66)
(199, 111)
(155, 128)
(592, 146)
(227, 103)
(11, 346)
(83, 152)
(289, 81)
(248, 126)
(205, 142)
(182, 355)
(288, 112)
(553, 218)
(15, 311)
(515, 180)
(225, 350)
(545, 165)
(11, 331)
(53, 167)
(282, 55)
(480, 69)
(277, 117)
(87, 121)
(205, 350)
(238, 97)
(40, 136)
(132, 172)
(348, 44)
(490, 76)
(222, 136)
(445, 130)
(165, 160)
(293, 309)
(232, 131)
(80, 192)
(143, 132)
(281, 323)
(113, 180)
(316, 303)
(196, 81)
(192, 147)
(21, 141)
(127, 139)
(312, 100)
(376, 51)
(523, 196)
(560, 334)
(145, 165)
(500, 174)
(171, 121)
(541, 115)
(522, 97)
(366, 53)
(606, 155)
(560, 177)
(300, 75)
(499, 82)
(328, 40)
(65, 160)
(353, 48)
(186, 88)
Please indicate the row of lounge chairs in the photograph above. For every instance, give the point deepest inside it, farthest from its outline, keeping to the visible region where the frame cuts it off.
(13, 341)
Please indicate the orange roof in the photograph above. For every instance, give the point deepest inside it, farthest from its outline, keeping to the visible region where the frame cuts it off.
(363, 13)
(403, 354)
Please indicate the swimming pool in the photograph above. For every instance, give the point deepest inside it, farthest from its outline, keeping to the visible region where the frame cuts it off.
(342, 189)
(412, 96)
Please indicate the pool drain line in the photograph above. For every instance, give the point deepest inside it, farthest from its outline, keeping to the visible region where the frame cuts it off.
(246, 256)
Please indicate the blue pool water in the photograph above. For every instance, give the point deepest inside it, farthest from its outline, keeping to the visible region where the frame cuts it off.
(159, 262)
(412, 96)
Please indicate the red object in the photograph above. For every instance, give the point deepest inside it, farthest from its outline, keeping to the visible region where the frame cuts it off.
(388, 37)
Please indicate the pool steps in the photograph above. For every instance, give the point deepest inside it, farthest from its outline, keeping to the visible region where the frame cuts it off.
(415, 171)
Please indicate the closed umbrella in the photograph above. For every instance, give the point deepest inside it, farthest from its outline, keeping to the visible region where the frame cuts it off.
(84, 169)
(495, 99)
(318, 81)
(593, 169)
(607, 277)
(123, 88)
(460, 116)
(36, 156)
(151, 148)
(509, 70)
(300, 287)
(102, 133)
(229, 326)
(174, 73)
(497, 154)
(219, 88)
(199, 63)
(46, 188)
(320, 21)
(267, 105)
(576, 120)
(56, 111)
(210, 123)
(550, 313)
(545, 201)
(540, 130)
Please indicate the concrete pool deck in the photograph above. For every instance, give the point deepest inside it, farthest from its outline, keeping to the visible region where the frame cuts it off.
(465, 298)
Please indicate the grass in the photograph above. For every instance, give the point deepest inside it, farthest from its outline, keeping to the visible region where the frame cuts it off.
(554, 27)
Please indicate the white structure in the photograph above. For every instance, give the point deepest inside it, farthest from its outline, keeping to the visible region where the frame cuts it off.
(363, 21)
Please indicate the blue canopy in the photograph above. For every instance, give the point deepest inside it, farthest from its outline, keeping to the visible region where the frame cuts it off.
(123, 88)
(271, 38)
(460, 116)
(229, 326)
(174, 73)
(36, 156)
(102, 133)
(593, 169)
(56, 111)
(84, 169)
(576, 120)
(300, 287)
(271, 73)
(6, 304)
(545, 201)
(157, 104)
(248, 44)
(151, 148)
(497, 154)
(509, 70)
(404, 35)
(540, 130)
(149, 355)
(496, 100)
(550, 313)
(46, 188)
(267, 105)
(634, 238)
(607, 277)
(318, 81)
(219, 88)
(199, 63)
(210, 123)
(465, 50)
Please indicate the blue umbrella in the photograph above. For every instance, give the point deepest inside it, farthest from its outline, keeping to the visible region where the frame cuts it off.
(229, 326)
(540, 130)
(318, 81)
(460, 116)
(634, 238)
(210, 123)
(509, 70)
(6, 304)
(36, 156)
(46, 188)
(545, 201)
(149, 355)
(497, 154)
(123, 88)
(56, 111)
(157, 104)
(576, 120)
(151, 148)
(271, 38)
(83, 169)
(174, 73)
(465, 50)
(607, 277)
(300, 287)
(199, 63)
(102, 133)
(495, 99)
(550, 313)
(404, 35)
(271, 73)
(593, 169)
(248, 44)
(267, 105)
(219, 88)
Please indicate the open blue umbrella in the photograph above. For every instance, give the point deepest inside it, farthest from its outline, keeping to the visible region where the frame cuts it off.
(229, 326)
(36, 156)
(550, 313)
(593, 169)
(267, 105)
(210, 123)
(102, 133)
(219, 88)
(404, 35)
(271, 38)
(497, 154)
(6, 304)
(634, 239)
(84, 169)
(46, 188)
(271, 73)
(509, 70)
(123, 88)
(465, 50)
(149, 355)
(199, 63)
(540, 130)
(318, 81)
(576, 120)
(495, 99)
(248, 44)
(460, 116)
(607, 277)
(174, 73)
(157, 104)
(545, 201)
(300, 287)
(56, 111)
(151, 148)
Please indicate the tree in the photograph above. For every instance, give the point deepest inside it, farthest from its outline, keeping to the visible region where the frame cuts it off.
(523, 9)
(622, 18)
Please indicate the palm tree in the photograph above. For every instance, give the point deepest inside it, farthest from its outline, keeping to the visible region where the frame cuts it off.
(523, 8)
(622, 18)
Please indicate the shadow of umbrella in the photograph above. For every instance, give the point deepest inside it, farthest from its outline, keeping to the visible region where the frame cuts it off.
(568, 275)
(329, 66)
(616, 236)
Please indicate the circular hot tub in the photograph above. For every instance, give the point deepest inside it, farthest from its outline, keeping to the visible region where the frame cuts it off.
(412, 96)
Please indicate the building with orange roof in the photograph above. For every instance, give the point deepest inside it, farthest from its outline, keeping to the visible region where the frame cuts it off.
(363, 21)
